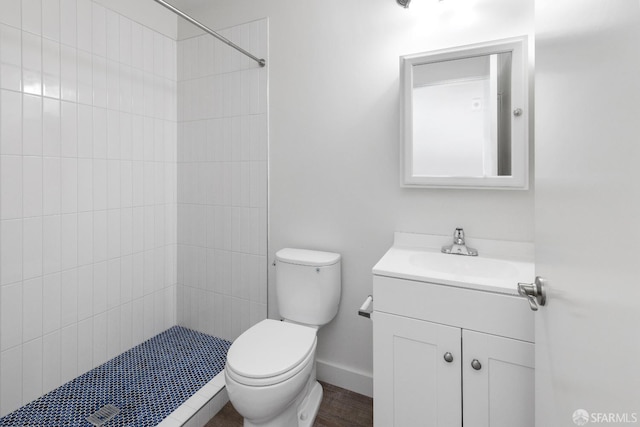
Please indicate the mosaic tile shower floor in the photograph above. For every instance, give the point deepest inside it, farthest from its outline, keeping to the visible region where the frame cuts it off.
(146, 383)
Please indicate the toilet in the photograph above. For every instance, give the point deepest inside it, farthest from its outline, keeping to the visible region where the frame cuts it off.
(270, 372)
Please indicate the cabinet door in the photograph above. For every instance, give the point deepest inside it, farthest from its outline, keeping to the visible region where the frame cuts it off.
(501, 392)
(413, 384)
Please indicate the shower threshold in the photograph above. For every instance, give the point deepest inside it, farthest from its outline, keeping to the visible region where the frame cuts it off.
(173, 379)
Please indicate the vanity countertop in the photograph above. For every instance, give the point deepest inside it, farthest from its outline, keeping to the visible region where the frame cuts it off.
(498, 268)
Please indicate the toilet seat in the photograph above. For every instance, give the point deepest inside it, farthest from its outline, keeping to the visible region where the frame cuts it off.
(271, 352)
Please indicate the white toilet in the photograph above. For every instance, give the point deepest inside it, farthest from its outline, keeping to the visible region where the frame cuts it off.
(270, 373)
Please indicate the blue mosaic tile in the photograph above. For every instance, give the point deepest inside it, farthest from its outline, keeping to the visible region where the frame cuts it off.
(146, 383)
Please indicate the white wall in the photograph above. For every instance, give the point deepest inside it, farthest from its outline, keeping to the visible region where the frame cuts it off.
(222, 183)
(87, 190)
(333, 141)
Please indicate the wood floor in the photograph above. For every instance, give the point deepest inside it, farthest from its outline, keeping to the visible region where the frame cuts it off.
(339, 408)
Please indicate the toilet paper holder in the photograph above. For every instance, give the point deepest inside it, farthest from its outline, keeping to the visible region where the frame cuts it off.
(366, 308)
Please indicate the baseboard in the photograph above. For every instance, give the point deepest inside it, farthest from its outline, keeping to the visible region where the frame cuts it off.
(348, 378)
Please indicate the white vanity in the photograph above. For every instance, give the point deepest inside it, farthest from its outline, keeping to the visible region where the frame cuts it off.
(453, 341)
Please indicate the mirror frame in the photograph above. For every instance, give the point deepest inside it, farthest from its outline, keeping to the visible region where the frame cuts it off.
(519, 178)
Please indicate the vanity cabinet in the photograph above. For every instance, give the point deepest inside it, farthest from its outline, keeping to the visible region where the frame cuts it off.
(447, 357)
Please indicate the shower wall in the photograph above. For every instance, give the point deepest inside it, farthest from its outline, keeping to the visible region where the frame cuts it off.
(222, 182)
(87, 190)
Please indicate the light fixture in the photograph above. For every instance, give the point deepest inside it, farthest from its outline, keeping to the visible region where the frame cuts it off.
(404, 3)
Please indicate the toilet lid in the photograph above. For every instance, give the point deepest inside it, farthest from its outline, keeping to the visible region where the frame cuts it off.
(270, 348)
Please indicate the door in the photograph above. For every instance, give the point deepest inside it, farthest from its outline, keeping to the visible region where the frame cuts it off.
(587, 191)
(497, 381)
(414, 383)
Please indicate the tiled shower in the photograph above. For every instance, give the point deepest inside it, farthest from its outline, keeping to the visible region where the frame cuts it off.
(222, 183)
(132, 188)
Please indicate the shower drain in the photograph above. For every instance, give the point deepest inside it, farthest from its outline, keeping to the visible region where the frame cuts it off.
(103, 415)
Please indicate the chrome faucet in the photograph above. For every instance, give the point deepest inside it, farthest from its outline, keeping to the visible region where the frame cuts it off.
(459, 247)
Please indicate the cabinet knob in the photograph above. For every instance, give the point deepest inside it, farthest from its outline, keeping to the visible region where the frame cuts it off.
(448, 357)
(475, 364)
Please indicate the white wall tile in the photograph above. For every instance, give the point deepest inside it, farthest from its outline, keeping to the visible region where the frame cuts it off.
(113, 134)
(147, 53)
(31, 63)
(68, 185)
(148, 273)
(32, 247)
(85, 74)
(85, 345)
(99, 133)
(31, 125)
(32, 16)
(100, 287)
(126, 279)
(99, 236)
(125, 40)
(52, 303)
(126, 341)
(136, 45)
(113, 184)
(113, 35)
(51, 19)
(99, 338)
(11, 374)
(32, 186)
(85, 292)
(11, 187)
(10, 58)
(138, 229)
(32, 309)
(51, 185)
(51, 122)
(113, 234)
(99, 184)
(85, 238)
(11, 122)
(148, 319)
(69, 241)
(51, 68)
(11, 13)
(51, 244)
(69, 297)
(68, 73)
(31, 370)
(126, 231)
(113, 332)
(85, 131)
(68, 16)
(51, 361)
(10, 251)
(99, 27)
(126, 184)
(137, 331)
(85, 185)
(69, 131)
(69, 353)
(11, 316)
(113, 84)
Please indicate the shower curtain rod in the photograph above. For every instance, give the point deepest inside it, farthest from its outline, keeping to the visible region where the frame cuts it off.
(203, 27)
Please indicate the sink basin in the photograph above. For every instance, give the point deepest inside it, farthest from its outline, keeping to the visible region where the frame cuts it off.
(445, 264)
(494, 270)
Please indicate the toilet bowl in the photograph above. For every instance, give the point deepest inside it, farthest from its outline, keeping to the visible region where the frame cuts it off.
(270, 372)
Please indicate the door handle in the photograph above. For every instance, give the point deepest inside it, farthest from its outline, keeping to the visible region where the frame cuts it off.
(534, 292)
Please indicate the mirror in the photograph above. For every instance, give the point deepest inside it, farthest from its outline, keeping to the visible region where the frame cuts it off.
(464, 117)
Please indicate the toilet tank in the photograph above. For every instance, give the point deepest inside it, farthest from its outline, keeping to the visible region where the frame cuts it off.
(308, 285)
